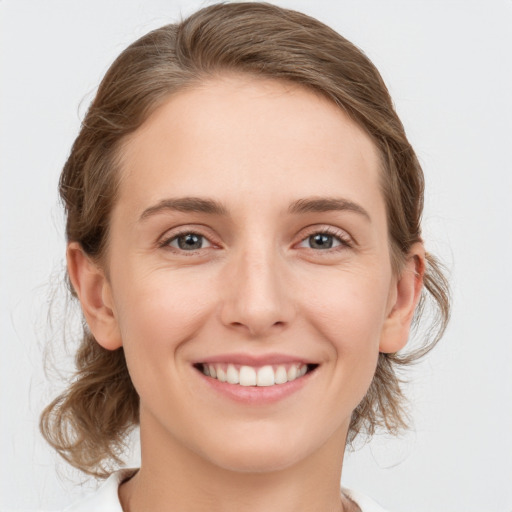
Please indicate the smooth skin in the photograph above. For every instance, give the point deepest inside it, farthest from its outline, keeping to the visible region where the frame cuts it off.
(256, 278)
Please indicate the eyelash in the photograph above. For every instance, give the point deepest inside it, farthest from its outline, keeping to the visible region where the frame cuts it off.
(344, 241)
(343, 238)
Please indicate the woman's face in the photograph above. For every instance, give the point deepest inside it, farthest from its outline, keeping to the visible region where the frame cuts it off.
(249, 236)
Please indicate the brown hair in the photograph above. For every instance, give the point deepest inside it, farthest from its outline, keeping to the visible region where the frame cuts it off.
(88, 423)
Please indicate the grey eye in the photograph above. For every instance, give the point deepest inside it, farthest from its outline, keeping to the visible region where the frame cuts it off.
(321, 241)
(325, 240)
(189, 242)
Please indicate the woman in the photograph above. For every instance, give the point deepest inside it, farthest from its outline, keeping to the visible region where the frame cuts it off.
(243, 223)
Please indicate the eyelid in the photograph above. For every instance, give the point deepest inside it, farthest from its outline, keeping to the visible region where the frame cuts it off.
(174, 233)
(346, 241)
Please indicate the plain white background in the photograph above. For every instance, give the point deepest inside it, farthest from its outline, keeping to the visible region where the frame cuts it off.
(448, 67)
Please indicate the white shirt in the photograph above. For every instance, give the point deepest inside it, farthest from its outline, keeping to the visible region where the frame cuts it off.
(106, 498)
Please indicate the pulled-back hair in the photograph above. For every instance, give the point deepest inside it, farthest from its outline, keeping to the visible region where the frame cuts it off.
(88, 423)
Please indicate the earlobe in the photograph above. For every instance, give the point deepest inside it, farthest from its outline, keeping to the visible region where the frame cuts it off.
(406, 296)
(94, 293)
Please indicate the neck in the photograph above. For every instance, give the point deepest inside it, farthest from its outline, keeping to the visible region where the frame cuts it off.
(173, 477)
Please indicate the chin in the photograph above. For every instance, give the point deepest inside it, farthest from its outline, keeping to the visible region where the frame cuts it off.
(259, 461)
(264, 454)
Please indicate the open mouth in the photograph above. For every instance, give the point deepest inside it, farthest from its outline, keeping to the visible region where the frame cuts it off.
(268, 375)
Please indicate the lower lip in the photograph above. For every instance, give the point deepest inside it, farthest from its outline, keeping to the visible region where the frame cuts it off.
(256, 395)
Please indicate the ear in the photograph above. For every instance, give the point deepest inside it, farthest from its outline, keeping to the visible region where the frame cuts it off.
(404, 297)
(94, 292)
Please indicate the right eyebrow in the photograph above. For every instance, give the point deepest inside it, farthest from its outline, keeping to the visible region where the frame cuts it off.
(186, 204)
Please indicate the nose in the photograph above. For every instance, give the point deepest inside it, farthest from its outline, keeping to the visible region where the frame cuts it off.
(257, 300)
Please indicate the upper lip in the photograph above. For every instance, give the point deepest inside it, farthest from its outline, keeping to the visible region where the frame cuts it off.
(255, 360)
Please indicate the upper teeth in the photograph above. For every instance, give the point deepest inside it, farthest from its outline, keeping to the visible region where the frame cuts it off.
(250, 376)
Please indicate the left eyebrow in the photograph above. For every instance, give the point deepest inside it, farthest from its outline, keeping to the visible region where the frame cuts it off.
(326, 204)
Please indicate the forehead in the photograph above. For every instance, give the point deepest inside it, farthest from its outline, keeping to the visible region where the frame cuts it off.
(250, 136)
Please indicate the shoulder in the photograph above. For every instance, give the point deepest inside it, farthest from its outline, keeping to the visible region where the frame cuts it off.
(106, 498)
(365, 503)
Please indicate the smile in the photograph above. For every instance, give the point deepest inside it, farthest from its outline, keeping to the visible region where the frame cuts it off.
(265, 376)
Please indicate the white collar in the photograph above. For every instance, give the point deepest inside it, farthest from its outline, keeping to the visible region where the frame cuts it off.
(106, 498)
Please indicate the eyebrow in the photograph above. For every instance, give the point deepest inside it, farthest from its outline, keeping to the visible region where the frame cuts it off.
(326, 204)
(213, 207)
(186, 204)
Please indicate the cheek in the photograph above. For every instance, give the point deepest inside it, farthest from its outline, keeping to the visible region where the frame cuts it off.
(158, 314)
(349, 308)
(349, 315)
